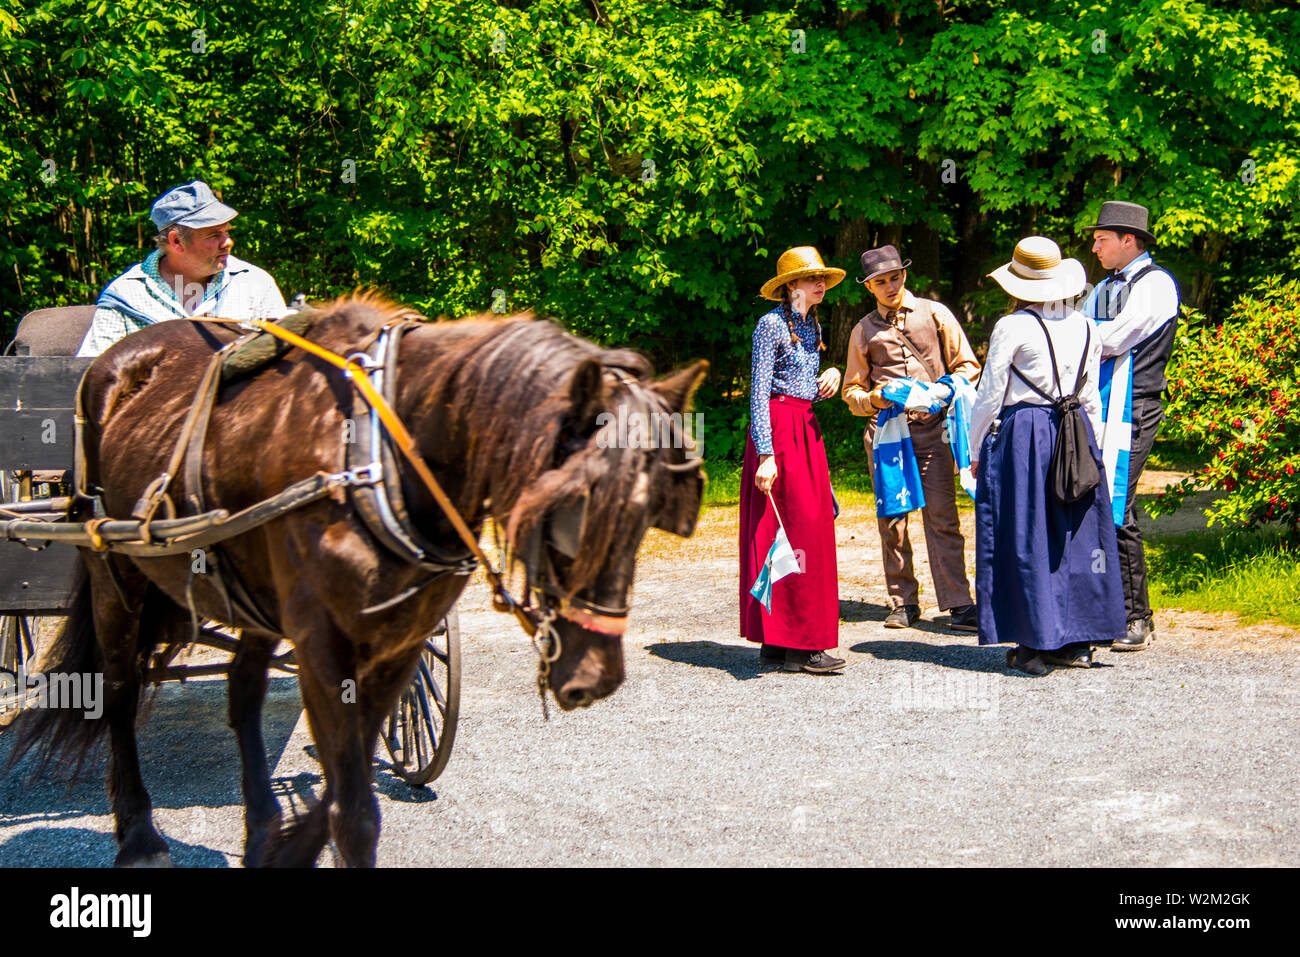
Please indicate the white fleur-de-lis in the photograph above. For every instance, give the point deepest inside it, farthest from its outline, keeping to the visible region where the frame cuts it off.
(904, 497)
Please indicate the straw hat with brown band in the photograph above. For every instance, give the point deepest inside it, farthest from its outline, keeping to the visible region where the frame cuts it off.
(802, 262)
(1037, 273)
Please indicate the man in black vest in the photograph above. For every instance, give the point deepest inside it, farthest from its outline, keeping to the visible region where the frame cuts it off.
(1136, 313)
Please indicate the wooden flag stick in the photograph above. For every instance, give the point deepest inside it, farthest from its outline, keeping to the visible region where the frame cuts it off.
(776, 513)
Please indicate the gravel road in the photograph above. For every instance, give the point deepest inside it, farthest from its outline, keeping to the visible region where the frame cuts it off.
(925, 751)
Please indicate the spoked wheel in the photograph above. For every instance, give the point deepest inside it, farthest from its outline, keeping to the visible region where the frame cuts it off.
(17, 654)
(420, 731)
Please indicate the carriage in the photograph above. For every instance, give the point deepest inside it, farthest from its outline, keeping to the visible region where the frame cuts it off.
(39, 373)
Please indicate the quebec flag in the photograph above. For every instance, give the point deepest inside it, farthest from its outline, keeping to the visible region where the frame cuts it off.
(781, 561)
(957, 428)
(896, 475)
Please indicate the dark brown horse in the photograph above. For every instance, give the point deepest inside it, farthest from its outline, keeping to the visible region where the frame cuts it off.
(504, 411)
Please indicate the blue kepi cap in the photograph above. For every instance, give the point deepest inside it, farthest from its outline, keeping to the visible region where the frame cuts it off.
(190, 205)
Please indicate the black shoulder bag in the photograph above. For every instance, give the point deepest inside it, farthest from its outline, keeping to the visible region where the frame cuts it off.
(1073, 471)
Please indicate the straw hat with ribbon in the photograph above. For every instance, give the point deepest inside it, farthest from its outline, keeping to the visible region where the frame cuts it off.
(1037, 273)
(801, 262)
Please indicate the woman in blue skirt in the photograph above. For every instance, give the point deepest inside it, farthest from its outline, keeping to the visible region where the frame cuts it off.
(1046, 574)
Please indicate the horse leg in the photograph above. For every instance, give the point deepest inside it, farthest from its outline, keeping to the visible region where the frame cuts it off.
(330, 722)
(118, 631)
(337, 724)
(247, 693)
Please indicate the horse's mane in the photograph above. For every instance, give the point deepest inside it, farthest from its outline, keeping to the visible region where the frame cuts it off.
(527, 453)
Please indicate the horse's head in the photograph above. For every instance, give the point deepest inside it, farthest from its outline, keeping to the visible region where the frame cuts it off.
(624, 460)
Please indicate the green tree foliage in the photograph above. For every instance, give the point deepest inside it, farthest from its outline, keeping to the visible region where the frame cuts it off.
(634, 167)
(1235, 397)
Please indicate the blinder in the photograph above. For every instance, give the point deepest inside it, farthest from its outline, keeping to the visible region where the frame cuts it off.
(565, 526)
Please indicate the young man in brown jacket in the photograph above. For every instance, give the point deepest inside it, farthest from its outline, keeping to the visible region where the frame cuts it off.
(905, 336)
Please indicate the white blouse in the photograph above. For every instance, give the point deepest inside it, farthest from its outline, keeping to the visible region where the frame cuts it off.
(1018, 339)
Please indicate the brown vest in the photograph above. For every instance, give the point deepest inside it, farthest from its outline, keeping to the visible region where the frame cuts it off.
(891, 357)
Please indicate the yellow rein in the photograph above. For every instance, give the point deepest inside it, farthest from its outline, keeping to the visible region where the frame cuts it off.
(356, 374)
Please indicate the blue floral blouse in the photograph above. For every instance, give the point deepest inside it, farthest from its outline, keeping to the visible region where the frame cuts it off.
(780, 368)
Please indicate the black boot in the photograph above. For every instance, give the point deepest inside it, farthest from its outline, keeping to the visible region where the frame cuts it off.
(1077, 655)
(1026, 660)
(812, 662)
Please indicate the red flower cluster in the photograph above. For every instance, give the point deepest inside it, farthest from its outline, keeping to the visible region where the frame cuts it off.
(1235, 396)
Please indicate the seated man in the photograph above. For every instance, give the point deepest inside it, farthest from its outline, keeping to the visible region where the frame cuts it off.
(191, 273)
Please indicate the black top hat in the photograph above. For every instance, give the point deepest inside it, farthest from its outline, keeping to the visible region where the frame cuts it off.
(882, 260)
(1123, 218)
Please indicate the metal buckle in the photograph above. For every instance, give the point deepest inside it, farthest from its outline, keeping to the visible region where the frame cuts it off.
(362, 475)
(362, 359)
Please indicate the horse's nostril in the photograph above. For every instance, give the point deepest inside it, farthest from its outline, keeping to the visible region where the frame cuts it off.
(578, 698)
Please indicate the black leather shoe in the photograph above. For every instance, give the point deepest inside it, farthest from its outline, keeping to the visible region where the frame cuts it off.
(1139, 636)
(812, 662)
(903, 616)
(771, 652)
(964, 619)
(1027, 661)
(1071, 656)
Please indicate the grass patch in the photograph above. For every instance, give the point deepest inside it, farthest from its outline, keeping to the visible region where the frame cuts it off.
(852, 484)
(1254, 574)
(1174, 456)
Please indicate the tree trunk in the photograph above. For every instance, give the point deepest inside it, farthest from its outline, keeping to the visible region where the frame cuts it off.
(852, 240)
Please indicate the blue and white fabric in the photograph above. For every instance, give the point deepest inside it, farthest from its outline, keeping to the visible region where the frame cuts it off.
(956, 429)
(1116, 387)
(895, 474)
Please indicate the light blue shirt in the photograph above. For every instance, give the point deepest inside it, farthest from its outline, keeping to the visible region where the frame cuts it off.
(139, 297)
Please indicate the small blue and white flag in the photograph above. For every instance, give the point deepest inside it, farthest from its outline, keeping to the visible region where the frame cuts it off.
(781, 561)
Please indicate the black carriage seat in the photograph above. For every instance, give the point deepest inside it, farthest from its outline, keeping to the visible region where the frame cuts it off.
(37, 399)
(56, 331)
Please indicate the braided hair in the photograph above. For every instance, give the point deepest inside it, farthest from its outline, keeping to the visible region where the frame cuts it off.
(787, 305)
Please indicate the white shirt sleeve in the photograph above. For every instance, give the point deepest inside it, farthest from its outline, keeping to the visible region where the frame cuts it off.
(106, 328)
(993, 383)
(1152, 302)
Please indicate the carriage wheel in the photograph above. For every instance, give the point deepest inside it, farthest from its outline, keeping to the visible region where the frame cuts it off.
(17, 653)
(420, 731)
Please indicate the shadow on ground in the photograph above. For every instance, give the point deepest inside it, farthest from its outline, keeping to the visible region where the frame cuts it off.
(188, 754)
(70, 846)
(972, 657)
(739, 662)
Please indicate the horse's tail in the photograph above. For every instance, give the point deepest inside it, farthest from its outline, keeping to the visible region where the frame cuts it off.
(67, 736)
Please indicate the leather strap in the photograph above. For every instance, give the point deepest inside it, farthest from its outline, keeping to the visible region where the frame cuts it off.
(934, 377)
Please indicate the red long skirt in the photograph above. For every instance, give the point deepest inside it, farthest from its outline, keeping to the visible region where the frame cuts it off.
(805, 607)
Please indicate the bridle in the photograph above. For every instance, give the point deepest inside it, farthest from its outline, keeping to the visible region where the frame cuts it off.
(544, 601)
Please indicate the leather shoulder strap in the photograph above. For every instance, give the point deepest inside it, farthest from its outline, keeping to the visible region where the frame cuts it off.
(934, 376)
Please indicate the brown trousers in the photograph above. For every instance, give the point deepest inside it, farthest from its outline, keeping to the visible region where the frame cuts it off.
(943, 541)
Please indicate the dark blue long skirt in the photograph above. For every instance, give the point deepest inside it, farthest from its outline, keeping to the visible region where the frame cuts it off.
(1046, 574)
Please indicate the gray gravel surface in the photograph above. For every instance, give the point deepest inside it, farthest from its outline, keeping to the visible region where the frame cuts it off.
(925, 751)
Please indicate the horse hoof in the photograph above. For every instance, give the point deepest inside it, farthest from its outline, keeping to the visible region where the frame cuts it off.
(161, 859)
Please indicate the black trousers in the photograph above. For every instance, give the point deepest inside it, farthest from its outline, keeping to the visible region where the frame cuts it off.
(1148, 413)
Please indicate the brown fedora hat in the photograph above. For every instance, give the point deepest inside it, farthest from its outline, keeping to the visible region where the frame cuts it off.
(1123, 218)
(881, 260)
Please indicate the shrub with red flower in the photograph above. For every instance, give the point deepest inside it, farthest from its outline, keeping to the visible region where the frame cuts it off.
(1234, 394)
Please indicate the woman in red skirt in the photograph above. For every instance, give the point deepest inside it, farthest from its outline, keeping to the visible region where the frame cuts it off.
(785, 464)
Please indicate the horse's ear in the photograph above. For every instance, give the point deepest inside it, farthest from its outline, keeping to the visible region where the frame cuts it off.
(585, 389)
(678, 388)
